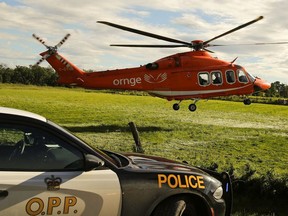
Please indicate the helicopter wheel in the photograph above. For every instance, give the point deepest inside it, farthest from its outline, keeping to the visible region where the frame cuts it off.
(176, 106)
(192, 107)
(247, 101)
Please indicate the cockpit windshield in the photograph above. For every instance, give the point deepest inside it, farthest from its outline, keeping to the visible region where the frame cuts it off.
(251, 77)
(243, 76)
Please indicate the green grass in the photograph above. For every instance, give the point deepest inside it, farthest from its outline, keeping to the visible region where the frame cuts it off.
(229, 134)
(222, 132)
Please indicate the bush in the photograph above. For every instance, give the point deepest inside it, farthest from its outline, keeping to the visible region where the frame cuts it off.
(266, 195)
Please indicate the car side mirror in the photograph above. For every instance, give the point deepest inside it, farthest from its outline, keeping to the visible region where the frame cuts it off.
(92, 162)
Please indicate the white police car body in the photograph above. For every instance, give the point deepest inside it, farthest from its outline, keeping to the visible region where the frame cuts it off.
(46, 170)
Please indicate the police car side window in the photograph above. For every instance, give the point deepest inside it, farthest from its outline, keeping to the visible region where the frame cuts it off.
(30, 149)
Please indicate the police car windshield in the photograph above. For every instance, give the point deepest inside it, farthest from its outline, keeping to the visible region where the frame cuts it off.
(119, 159)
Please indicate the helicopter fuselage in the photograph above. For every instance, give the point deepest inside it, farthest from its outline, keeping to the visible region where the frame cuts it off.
(188, 75)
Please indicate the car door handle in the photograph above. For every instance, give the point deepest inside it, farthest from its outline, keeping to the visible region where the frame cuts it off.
(3, 193)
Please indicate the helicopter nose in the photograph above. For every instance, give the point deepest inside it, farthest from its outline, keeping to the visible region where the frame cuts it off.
(261, 85)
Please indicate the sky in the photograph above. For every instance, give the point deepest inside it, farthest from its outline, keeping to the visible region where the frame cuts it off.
(89, 45)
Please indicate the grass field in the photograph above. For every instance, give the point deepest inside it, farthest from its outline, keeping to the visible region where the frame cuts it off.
(218, 132)
(229, 134)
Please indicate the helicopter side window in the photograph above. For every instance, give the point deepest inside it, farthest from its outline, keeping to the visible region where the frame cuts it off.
(242, 76)
(230, 76)
(203, 79)
(216, 77)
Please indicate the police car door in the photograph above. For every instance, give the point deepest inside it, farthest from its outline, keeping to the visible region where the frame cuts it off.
(42, 175)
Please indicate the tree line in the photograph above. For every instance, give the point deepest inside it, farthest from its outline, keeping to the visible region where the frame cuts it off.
(32, 75)
(277, 90)
(46, 76)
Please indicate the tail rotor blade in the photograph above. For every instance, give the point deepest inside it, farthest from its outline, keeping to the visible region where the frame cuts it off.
(40, 40)
(63, 40)
(42, 59)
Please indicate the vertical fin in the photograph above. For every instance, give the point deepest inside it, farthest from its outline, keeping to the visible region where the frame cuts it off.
(68, 73)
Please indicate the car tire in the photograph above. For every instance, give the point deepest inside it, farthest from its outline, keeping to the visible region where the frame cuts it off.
(175, 206)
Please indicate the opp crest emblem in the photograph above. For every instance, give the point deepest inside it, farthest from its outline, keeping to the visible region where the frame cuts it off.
(53, 183)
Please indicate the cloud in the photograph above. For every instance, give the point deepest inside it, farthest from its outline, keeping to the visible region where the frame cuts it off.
(88, 47)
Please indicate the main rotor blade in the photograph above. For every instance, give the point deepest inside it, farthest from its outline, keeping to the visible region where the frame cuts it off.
(149, 46)
(148, 34)
(275, 43)
(208, 50)
(234, 29)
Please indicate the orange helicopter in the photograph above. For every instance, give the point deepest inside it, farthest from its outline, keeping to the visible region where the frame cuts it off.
(191, 75)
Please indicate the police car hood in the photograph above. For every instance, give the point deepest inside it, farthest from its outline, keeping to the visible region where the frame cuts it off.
(154, 163)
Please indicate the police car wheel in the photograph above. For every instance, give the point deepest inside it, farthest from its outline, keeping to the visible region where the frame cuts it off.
(175, 206)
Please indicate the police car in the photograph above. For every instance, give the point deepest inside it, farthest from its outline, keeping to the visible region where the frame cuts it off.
(45, 170)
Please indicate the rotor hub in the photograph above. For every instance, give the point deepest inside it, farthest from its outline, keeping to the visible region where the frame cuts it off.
(197, 45)
(51, 50)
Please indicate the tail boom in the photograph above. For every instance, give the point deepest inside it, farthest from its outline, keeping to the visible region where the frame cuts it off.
(68, 73)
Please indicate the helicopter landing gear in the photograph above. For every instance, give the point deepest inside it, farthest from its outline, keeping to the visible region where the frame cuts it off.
(192, 107)
(176, 106)
(247, 101)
